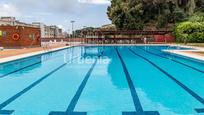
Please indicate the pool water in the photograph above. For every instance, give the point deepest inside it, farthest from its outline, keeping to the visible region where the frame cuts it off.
(115, 80)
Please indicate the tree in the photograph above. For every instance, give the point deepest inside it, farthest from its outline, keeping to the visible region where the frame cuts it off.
(125, 15)
(134, 14)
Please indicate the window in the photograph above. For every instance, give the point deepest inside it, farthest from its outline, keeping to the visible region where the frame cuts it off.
(2, 33)
(32, 36)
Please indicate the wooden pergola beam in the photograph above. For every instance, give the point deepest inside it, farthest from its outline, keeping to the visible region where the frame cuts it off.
(129, 32)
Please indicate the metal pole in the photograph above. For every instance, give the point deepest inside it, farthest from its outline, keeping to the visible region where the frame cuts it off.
(73, 34)
(73, 28)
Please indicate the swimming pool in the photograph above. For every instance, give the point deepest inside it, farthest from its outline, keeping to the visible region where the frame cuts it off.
(115, 80)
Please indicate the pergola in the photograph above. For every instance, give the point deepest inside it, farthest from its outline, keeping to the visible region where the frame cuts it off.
(100, 36)
(125, 32)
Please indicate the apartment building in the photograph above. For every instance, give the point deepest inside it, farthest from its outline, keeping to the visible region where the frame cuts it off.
(55, 32)
(42, 28)
(11, 21)
(49, 31)
(7, 21)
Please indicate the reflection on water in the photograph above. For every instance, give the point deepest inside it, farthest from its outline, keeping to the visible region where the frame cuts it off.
(92, 52)
(27, 65)
(109, 58)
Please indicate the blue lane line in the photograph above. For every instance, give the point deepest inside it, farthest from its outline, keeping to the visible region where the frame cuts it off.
(13, 98)
(200, 110)
(196, 69)
(137, 104)
(9, 73)
(72, 105)
(191, 92)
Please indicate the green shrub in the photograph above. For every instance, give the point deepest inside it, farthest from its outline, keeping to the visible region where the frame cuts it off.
(191, 30)
(198, 17)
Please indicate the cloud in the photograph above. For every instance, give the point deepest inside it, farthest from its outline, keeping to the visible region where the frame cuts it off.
(9, 10)
(85, 12)
(95, 1)
(49, 7)
(62, 6)
(62, 27)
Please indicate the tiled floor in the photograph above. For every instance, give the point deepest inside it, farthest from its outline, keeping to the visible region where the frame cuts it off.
(197, 53)
(14, 52)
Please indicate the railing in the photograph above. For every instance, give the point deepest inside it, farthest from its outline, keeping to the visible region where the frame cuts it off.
(100, 40)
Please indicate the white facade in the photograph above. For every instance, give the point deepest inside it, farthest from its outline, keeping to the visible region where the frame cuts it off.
(46, 31)
(42, 28)
(49, 31)
(3, 22)
(11, 21)
(7, 21)
(55, 31)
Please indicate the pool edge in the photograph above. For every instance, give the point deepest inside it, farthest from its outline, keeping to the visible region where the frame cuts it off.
(27, 55)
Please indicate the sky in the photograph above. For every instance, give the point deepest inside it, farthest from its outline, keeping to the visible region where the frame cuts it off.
(58, 12)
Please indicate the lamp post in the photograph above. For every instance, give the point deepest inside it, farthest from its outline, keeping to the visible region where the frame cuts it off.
(73, 28)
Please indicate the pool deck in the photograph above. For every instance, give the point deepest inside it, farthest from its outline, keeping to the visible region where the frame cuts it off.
(196, 53)
(15, 54)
